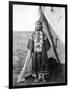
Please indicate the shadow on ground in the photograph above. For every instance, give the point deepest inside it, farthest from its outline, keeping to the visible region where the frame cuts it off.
(57, 75)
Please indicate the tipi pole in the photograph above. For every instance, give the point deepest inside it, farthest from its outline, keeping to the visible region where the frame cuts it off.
(43, 18)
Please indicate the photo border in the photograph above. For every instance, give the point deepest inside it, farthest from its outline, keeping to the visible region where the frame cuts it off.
(11, 3)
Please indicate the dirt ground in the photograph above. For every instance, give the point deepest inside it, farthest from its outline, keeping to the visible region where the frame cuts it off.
(57, 76)
(20, 40)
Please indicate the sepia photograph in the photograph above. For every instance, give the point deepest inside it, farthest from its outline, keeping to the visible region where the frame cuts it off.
(37, 44)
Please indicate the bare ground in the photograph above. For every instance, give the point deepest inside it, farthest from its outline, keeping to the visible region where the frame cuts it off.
(20, 40)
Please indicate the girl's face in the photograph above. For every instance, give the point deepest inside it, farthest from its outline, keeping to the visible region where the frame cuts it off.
(38, 26)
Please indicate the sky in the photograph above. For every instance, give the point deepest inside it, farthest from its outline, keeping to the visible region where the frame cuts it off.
(25, 16)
